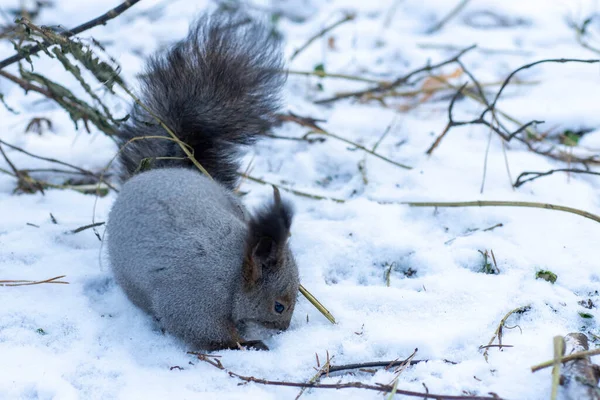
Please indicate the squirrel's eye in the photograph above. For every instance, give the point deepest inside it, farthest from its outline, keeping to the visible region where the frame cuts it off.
(279, 307)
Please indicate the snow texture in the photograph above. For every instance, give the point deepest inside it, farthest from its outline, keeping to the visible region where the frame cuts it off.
(85, 340)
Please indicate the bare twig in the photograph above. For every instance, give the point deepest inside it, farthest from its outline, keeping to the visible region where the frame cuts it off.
(570, 357)
(347, 17)
(101, 20)
(399, 81)
(83, 228)
(360, 385)
(498, 331)
(454, 12)
(28, 283)
(290, 190)
(536, 175)
(312, 123)
(493, 203)
(491, 106)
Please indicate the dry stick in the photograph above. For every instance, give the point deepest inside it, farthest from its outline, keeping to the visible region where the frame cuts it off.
(83, 228)
(492, 203)
(374, 364)
(312, 123)
(570, 357)
(28, 283)
(454, 12)
(101, 20)
(537, 175)
(317, 304)
(323, 74)
(360, 385)
(558, 353)
(399, 81)
(52, 160)
(347, 17)
(290, 190)
(324, 370)
(449, 47)
(498, 331)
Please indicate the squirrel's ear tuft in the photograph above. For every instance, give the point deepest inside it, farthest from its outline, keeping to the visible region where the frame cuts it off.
(268, 233)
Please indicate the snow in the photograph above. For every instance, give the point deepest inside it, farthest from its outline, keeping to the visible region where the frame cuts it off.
(86, 340)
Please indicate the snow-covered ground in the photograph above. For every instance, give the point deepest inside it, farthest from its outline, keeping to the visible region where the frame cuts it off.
(86, 340)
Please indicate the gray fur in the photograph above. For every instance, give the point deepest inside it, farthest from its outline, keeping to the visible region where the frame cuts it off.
(182, 246)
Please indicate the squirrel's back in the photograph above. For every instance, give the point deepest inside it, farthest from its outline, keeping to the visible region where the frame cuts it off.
(218, 89)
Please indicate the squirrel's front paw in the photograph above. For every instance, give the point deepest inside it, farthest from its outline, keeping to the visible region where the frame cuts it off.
(254, 345)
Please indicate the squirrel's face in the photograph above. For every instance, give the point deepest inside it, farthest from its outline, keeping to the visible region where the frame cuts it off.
(270, 276)
(269, 301)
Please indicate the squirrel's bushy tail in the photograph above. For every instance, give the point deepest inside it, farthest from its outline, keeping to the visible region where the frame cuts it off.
(217, 89)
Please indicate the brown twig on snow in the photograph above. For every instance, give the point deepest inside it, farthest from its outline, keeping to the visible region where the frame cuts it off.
(28, 283)
(498, 331)
(347, 17)
(382, 87)
(101, 20)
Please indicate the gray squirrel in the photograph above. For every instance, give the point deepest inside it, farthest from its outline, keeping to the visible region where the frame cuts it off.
(182, 246)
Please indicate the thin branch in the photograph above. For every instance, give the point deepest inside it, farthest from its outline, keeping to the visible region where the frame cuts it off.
(498, 331)
(374, 364)
(29, 283)
(83, 228)
(536, 175)
(347, 17)
(101, 20)
(570, 357)
(312, 123)
(492, 203)
(290, 190)
(52, 160)
(454, 12)
(360, 385)
(399, 81)
(491, 107)
(323, 74)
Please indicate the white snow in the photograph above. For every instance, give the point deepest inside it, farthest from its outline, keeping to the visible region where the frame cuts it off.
(85, 340)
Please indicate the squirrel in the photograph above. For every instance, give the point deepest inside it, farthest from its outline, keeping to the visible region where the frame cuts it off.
(181, 245)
